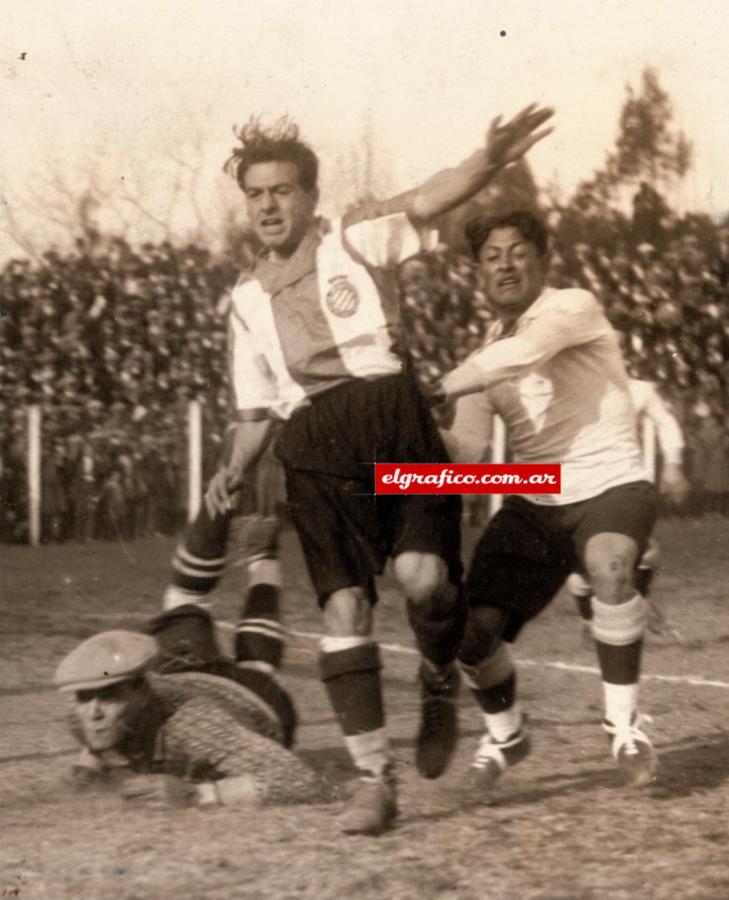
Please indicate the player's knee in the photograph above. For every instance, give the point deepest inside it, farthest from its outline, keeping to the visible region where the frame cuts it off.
(482, 635)
(348, 613)
(423, 576)
(610, 561)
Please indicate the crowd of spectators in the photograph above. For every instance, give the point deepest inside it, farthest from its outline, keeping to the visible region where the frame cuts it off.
(113, 342)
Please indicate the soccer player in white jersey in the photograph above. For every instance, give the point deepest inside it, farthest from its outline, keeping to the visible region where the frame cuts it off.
(552, 369)
(650, 407)
(315, 349)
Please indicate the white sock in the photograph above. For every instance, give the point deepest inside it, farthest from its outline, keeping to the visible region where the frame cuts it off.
(503, 725)
(175, 596)
(264, 571)
(370, 751)
(330, 644)
(621, 702)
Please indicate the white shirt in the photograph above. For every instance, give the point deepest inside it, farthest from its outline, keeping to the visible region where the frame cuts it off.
(559, 384)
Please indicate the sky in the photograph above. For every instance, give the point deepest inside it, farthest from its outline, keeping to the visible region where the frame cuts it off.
(148, 92)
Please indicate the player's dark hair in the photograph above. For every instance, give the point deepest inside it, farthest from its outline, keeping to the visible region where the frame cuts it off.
(529, 226)
(279, 142)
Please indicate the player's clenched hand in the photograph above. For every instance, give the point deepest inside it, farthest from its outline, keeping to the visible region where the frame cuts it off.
(218, 499)
(434, 393)
(223, 485)
(507, 143)
(674, 486)
(159, 791)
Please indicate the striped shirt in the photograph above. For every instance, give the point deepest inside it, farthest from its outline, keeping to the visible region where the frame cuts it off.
(560, 385)
(326, 315)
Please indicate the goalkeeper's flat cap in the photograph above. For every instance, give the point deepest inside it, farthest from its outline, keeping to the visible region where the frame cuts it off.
(104, 659)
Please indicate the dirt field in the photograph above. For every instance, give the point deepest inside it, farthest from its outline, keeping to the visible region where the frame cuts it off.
(561, 827)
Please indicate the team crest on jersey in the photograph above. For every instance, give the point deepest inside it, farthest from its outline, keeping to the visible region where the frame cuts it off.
(342, 298)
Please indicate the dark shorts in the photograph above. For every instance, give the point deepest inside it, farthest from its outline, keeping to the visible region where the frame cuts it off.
(527, 551)
(347, 532)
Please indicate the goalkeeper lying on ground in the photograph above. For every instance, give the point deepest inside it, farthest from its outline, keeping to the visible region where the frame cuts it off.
(183, 738)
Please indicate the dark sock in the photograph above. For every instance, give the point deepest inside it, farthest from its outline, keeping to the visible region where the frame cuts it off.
(259, 634)
(352, 681)
(498, 697)
(584, 608)
(438, 629)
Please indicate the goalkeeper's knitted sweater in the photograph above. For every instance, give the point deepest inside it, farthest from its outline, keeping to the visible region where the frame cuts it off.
(202, 737)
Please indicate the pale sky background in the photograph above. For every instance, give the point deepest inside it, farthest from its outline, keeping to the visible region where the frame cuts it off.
(123, 88)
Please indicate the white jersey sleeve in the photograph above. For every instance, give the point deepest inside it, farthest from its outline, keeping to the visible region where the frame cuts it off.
(383, 241)
(254, 387)
(648, 402)
(469, 437)
(566, 318)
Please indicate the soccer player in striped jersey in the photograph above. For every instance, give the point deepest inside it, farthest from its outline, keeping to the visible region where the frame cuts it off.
(551, 367)
(315, 349)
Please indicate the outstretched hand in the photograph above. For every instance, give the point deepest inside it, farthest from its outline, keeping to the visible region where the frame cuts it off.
(507, 143)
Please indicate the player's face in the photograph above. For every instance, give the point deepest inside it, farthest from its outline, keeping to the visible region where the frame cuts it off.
(279, 209)
(105, 713)
(513, 270)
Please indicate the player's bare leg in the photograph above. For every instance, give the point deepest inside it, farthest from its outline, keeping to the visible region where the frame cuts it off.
(658, 623)
(436, 615)
(619, 619)
(350, 670)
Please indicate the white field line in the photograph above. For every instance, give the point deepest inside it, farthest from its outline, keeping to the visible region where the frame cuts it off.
(693, 680)
(557, 664)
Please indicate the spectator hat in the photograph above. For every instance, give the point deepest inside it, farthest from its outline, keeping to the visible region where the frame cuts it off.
(105, 659)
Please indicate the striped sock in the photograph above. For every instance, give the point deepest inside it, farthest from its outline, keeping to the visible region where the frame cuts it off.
(260, 637)
(493, 684)
(199, 561)
(618, 632)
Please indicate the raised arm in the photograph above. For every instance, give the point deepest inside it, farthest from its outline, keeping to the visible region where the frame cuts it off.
(505, 144)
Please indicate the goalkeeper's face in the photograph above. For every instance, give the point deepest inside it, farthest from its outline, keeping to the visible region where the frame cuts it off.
(106, 713)
(280, 210)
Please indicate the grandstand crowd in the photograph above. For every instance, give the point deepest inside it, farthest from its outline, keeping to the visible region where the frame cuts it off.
(113, 341)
